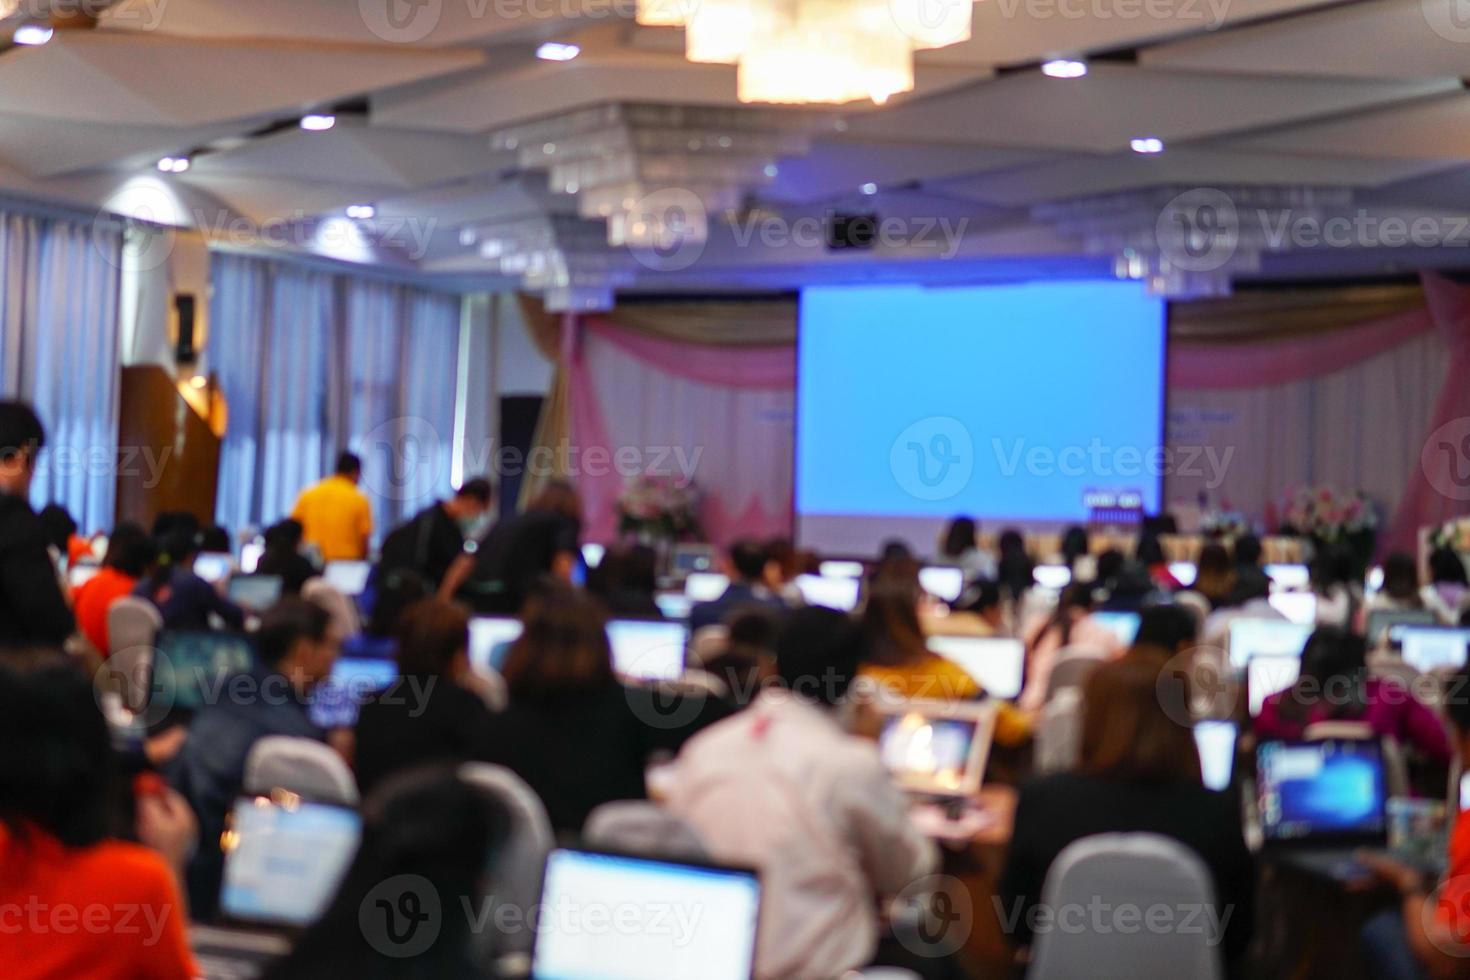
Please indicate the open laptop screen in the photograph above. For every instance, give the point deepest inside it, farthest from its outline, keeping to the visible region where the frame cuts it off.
(334, 703)
(647, 649)
(996, 663)
(1123, 625)
(1052, 576)
(939, 748)
(942, 581)
(1289, 576)
(1266, 638)
(256, 593)
(834, 593)
(283, 864)
(1321, 790)
(670, 920)
(1386, 622)
(190, 668)
(213, 566)
(1184, 572)
(705, 586)
(1215, 741)
(1266, 676)
(490, 640)
(1298, 607)
(1427, 648)
(348, 577)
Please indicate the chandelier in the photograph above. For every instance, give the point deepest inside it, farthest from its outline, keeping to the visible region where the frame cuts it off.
(799, 51)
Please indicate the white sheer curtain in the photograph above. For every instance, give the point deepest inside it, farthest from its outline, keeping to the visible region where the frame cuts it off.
(60, 285)
(312, 363)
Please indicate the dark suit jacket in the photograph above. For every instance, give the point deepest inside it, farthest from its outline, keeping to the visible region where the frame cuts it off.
(736, 596)
(32, 610)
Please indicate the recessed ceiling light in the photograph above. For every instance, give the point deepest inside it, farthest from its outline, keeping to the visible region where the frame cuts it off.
(361, 211)
(1064, 68)
(1146, 144)
(869, 188)
(557, 51)
(318, 123)
(173, 165)
(32, 34)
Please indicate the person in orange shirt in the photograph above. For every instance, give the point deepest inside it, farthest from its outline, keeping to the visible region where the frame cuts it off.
(73, 902)
(1428, 934)
(335, 515)
(129, 554)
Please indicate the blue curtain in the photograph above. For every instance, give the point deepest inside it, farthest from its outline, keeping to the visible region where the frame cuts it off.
(311, 364)
(60, 284)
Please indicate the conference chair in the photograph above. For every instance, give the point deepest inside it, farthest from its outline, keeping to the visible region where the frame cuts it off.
(342, 610)
(516, 876)
(1059, 732)
(643, 827)
(1126, 870)
(1074, 665)
(133, 624)
(707, 643)
(312, 770)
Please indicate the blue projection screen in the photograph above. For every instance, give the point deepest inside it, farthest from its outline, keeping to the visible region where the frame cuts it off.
(1015, 403)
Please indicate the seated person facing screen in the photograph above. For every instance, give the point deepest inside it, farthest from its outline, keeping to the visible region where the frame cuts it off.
(1334, 686)
(746, 566)
(783, 788)
(282, 557)
(78, 902)
(1139, 771)
(1403, 591)
(573, 731)
(295, 648)
(1071, 624)
(184, 599)
(430, 714)
(130, 554)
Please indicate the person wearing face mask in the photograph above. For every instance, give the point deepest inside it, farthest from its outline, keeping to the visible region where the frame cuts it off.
(430, 542)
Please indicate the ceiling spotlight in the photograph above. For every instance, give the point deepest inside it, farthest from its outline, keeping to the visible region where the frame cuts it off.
(318, 123)
(557, 51)
(1064, 68)
(32, 34)
(869, 188)
(173, 165)
(1146, 144)
(361, 211)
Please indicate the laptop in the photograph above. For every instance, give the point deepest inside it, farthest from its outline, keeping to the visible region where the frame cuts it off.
(1184, 572)
(1433, 648)
(673, 605)
(688, 558)
(1215, 742)
(672, 919)
(79, 575)
(348, 577)
(283, 864)
(1382, 622)
(592, 554)
(1318, 802)
(490, 640)
(997, 664)
(213, 566)
(1123, 625)
(190, 667)
(1297, 607)
(1267, 675)
(335, 702)
(937, 749)
(1052, 576)
(255, 593)
(705, 586)
(942, 581)
(840, 568)
(1265, 637)
(834, 593)
(1288, 577)
(648, 649)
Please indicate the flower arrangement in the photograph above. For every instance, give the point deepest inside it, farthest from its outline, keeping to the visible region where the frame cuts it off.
(1329, 515)
(1454, 535)
(657, 508)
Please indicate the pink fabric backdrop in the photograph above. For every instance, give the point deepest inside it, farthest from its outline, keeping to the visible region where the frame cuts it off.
(722, 413)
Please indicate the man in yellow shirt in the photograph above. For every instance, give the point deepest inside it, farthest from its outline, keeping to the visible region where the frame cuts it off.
(335, 515)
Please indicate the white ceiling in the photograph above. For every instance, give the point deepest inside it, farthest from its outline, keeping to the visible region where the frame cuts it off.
(1361, 95)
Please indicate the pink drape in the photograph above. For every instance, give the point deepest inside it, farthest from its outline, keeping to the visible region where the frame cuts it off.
(721, 414)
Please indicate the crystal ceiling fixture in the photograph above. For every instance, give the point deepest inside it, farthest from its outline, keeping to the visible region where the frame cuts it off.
(813, 51)
(648, 169)
(563, 257)
(1185, 242)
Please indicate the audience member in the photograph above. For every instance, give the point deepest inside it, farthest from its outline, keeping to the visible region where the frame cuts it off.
(295, 648)
(130, 554)
(1151, 554)
(60, 859)
(746, 565)
(1165, 630)
(434, 834)
(1139, 772)
(1334, 686)
(1075, 544)
(1070, 624)
(959, 544)
(1215, 574)
(518, 553)
(282, 556)
(394, 592)
(626, 581)
(430, 714)
(185, 600)
(1449, 587)
(1251, 580)
(747, 662)
(336, 517)
(783, 564)
(61, 533)
(1336, 585)
(784, 789)
(978, 611)
(431, 541)
(1015, 571)
(577, 735)
(215, 540)
(33, 610)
